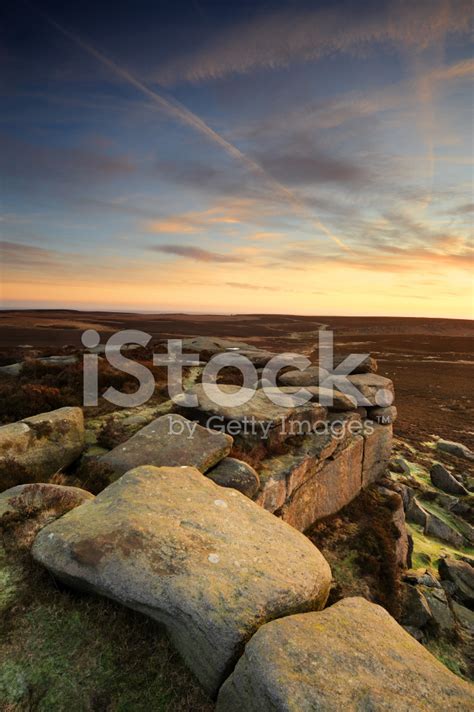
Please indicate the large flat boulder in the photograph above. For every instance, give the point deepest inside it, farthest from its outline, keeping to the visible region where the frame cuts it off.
(35, 448)
(170, 441)
(256, 419)
(353, 656)
(208, 563)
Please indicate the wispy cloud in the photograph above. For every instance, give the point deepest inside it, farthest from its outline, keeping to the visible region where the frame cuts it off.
(21, 256)
(252, 287)
(196, 221)
(178, 111)
(312, 167)
(21, 160)
(194, 253)
(275, 40)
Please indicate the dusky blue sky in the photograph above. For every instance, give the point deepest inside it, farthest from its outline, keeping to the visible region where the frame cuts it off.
(305, 157)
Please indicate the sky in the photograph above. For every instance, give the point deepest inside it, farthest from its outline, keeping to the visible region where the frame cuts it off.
(238, 156)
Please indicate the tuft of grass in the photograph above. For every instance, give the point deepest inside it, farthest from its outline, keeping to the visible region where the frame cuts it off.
(62, 650)
(425, 545)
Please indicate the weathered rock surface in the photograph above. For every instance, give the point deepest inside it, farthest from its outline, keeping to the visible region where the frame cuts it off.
(311, 376)
(234, 473)
(170, 441)
(35, 498)
(443, 617)
(416, 612)
(375, 390)
(207, 562)
(352, 656)
(464, 616)
(441, 530)
(281, 474)
(37, 447)
(422, 577)
(377, 451)
(416, 513)
(258, 418)
(368, 365)
(332, 399)
(383, 416)
(454, 448)
(444, 480)
(462, 575)
(329, 489)
(398, 526)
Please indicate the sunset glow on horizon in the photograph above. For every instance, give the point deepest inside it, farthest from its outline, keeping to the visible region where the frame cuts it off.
(303, 157)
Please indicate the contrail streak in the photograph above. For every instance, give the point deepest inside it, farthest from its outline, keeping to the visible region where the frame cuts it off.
(180, 112)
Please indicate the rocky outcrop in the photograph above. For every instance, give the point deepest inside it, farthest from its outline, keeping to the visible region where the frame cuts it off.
(206, 562)
(35, 448)
(234, 473)
(257, 420)
(170, 441)
(444, 480)
(333, 485)
(325, 471)
(352, 656)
